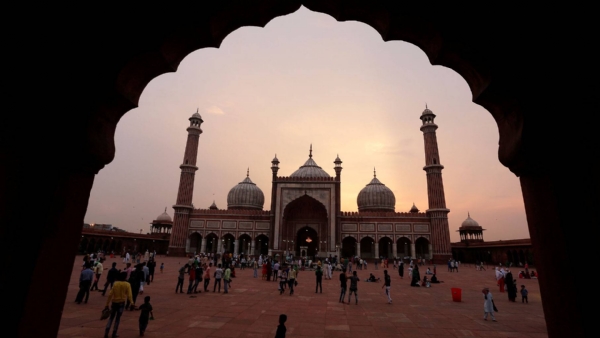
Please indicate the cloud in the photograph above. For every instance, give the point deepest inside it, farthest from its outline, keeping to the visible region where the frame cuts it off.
(215, 110)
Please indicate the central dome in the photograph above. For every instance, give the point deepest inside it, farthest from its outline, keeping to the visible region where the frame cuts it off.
(310, 169)
(376, 197)
(245, 195)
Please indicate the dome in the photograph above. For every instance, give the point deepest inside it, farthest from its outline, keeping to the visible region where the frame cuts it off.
(414, 208)
(470, 223)
(245, 195)
(196, 116)
(164, 217)
(310, 169)
(427, 111)
(376, 197)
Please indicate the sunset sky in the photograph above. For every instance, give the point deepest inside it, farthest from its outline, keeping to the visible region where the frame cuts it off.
(308, 79)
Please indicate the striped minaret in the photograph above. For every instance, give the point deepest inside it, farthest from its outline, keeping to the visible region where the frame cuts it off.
(437, 212)
(183, 206)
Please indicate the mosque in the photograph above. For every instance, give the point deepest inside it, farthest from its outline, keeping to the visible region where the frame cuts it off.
(305, 216)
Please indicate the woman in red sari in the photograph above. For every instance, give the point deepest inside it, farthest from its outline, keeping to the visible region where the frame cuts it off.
(264, 270)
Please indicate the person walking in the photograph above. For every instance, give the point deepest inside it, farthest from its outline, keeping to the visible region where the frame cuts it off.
(500, 279)
(85, 281)
(401, 269)
(255, 268)
(144, 280)
(329, 270)
(118, 296)
(227, 279)
(218, 276)
(343, 285)
(197, 278)
(137, 276)
(292, 279)
(387, 283)
(145, 315)
(524, 294)
(319, 275)
(111, 277)
(488, 304)
(180, 279)
(275, 271)
(207, 276)
(283, 279)
(191, 279)
(98, 269)
(151, 267)
(416, 277)
(353, 287)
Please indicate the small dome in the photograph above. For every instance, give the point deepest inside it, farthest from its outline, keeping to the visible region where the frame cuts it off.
(376, 197)
(427, 111)
(470, 223)
(275, 160)
(414, 208)
(310, 169)
(196, 116)
(164, 217)
(245, 195)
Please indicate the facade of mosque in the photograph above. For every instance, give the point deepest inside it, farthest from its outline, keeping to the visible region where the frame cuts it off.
(305, 216)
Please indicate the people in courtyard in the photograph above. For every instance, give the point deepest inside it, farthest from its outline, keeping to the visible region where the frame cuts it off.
(180, 279)
(511, 286)
(85, 282)
(98, 269)
(218, 276)
(435, 280)
(524, 294)
(428, 272)
(488, 304)
(416, 277)
(372, 278)
(343, 285)
(283, 279)
(197, 278)
(111, 277)
(387, 283)
(227, 279)
(280, 333)
(353, 287)
(401, 269)
(117, 298)
(319, 277)
(500, 279)
(207, 271)
(145, 315)
(293, 274)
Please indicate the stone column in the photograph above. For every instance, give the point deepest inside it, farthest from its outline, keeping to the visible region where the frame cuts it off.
(253, 247)
(358, 249)
(413, 251)
(430, 251)
(187, 245)
(395, 249)
(236, 246)
(203, 245)
(376, 254)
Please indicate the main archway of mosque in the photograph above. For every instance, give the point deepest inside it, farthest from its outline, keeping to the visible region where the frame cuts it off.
(305, 226)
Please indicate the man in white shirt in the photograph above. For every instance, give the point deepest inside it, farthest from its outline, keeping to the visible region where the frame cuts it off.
(275, 271)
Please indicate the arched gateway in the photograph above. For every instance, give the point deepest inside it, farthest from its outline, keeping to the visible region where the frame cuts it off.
(305, 224)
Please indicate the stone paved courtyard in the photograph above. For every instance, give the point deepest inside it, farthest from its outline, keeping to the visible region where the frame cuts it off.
(252, 308)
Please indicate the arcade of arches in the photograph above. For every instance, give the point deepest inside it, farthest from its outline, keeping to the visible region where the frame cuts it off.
(505, 67)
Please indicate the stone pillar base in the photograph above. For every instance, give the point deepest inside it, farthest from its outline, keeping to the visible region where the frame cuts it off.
(177, 252)
(441, 259)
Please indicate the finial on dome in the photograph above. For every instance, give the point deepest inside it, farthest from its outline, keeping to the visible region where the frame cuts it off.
(426, 105)
(468, 214)
(310, 152)
(374, 173)
(165, 209)
(248, 172)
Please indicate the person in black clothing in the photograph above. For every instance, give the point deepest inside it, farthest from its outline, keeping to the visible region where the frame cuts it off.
(137, 276)
(145, 315)
(387, 283)
(151, 267)
(111, 277)
(319, 274)
(281, 327)
(343, 285)
(198, 278)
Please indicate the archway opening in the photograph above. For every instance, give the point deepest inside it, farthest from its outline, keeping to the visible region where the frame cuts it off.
(245, 244)
(195, 242)
(228, 243)
(300, 216)
(367, 247)
(386, 248)
(422, 248)
(349, 247)
(307, 242)
(211, 243)
(262, 243)
(403, 247)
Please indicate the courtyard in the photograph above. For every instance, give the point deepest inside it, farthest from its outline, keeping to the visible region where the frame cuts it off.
(253, 306)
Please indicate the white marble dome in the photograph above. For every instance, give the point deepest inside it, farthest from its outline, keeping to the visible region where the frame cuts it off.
(376, 197)
(310, 169)
(245, 195)
(470, 223)
(164, 217)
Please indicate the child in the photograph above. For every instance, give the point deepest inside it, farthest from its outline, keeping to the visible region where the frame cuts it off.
(145, 314)
(281, 327)
(162, 266)
(524, 293)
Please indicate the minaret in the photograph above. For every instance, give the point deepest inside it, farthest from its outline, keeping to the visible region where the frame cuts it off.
(274, 169)
(437, 212)
(338, 204)
(183, 207)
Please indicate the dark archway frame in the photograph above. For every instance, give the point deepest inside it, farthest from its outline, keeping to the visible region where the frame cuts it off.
(86, 87)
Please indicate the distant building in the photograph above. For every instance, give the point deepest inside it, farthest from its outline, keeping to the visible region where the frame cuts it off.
(306, 217)
(472, 248)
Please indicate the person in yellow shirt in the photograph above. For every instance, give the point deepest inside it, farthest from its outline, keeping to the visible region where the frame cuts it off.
(118, 297)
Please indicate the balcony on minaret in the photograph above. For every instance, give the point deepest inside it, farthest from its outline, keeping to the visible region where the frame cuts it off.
(338, 166)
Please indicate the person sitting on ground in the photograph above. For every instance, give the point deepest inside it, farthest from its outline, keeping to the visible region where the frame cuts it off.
(372, 278)
(428, 272)
(425, 282)
(533, 274)
(521, 274)
(435, 280)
